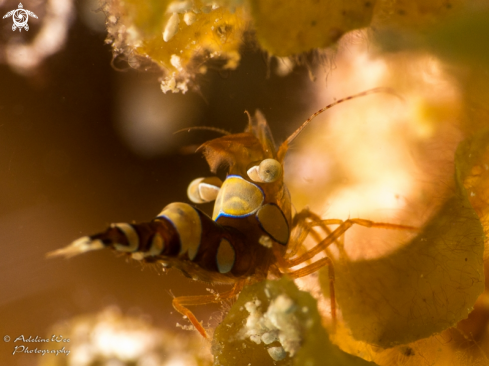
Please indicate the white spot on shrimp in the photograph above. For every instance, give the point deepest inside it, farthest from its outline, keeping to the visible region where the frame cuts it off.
(265, 241)
(131, 235)
(137, 256)
(82, 245)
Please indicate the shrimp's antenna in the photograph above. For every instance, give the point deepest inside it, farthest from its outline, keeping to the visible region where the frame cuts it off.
(285, 145)
(214, 129)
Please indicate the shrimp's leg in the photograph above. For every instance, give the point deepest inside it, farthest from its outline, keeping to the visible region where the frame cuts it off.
(336, 234)
(311, 268)
(180, 304)
(304, 228)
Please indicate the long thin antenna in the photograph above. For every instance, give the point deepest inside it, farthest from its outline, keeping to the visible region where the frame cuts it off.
(215, 129)
(367, 92)
(286, 143)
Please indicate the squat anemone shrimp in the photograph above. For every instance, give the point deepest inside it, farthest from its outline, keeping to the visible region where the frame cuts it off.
(252, 234)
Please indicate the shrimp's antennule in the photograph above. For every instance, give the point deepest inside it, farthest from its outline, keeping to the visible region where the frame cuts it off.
(285, 145)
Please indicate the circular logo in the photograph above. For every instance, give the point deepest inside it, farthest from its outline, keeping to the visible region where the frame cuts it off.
(6, 338)
(20, 18)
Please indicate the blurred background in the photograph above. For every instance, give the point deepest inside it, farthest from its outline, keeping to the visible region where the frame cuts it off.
(83, 145)
(85, 141)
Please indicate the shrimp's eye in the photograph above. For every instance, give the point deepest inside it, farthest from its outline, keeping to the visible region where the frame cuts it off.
(203, 190)
(268, 171)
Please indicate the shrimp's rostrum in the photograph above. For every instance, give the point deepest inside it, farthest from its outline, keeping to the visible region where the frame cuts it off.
(251, 235)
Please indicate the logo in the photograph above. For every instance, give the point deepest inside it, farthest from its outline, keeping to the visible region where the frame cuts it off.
(20, 17)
